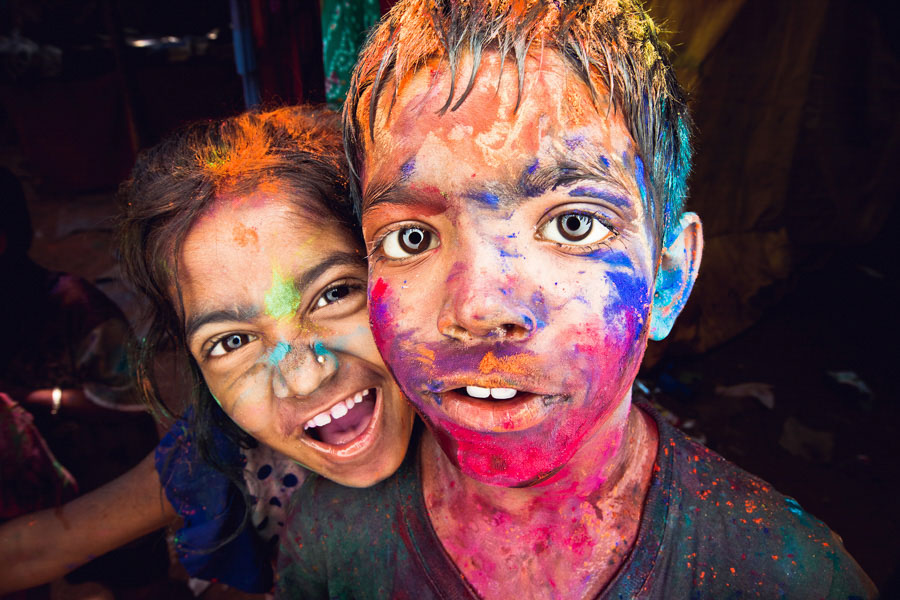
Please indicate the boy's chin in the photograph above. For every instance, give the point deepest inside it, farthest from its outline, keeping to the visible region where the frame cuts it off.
(512, 460)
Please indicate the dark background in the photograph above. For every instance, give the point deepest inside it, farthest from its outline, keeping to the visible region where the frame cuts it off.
(795, 180)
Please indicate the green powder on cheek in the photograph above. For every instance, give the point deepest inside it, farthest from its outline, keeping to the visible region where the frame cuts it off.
(282, 299)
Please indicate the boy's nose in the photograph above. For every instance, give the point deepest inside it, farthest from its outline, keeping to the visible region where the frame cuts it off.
(303, 369)
(477, 306)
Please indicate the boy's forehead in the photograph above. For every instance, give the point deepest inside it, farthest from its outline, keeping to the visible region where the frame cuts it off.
(492, 128)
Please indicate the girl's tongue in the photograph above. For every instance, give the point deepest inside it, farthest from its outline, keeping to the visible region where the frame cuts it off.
(350, 426)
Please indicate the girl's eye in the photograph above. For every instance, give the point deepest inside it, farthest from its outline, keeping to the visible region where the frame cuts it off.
(334, 294)
(230, 343)
(408, 241)
(575, 229)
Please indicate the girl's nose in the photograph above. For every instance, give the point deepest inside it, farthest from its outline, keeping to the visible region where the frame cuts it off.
(302, 369)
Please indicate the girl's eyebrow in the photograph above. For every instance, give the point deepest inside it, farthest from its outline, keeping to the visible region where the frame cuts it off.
(238, 313)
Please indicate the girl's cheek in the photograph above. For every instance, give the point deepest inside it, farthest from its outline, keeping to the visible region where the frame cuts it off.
(246, 403)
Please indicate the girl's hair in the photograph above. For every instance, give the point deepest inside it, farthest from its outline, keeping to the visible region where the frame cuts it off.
(295, 152)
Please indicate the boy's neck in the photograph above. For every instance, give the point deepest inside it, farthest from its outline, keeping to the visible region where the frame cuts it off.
(585, 514)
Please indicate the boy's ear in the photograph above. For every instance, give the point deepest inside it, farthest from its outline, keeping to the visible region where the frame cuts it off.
(678, 267)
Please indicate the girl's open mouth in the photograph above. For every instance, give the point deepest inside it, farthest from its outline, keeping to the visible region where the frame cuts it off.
(345, 421)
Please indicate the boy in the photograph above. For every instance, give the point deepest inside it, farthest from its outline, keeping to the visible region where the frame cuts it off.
(521, 174)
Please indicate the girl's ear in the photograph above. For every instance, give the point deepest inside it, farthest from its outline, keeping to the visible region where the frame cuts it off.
(678, 267)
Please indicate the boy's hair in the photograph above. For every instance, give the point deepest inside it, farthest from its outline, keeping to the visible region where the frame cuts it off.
(613, 39)
(296, 152)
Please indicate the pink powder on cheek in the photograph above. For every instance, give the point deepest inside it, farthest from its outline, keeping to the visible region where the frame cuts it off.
(380, 314)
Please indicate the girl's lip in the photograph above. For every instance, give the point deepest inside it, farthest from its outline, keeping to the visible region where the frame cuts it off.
(358, 445)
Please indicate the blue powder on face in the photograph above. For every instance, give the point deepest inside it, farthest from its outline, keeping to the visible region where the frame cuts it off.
(539, 308)
(486, 198)
(279, 352)
(526, 187)
(407, 169)
(639, 176)
(634, 295)
(510, 254)
(320, 350)
(574, 142)
(591, 192)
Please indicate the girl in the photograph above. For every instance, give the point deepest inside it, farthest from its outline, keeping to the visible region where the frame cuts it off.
(241, 236)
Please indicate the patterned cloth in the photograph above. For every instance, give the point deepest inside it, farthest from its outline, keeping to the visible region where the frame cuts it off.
(708, 530)
(211, 544)
(345, 24)
(30, 476)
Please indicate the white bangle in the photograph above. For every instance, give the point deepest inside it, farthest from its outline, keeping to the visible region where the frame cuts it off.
(56, 397)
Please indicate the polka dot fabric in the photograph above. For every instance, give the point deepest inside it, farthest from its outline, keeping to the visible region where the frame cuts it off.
(271, 479)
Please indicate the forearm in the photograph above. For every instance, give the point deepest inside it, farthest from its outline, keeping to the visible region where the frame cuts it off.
(45, 545)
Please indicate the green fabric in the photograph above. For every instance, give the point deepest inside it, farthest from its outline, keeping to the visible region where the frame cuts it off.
(345, 24)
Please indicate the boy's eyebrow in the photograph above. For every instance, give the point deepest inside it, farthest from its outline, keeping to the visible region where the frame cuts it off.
(237, 313)
(569, 169)
(397, 192)
(535, 180)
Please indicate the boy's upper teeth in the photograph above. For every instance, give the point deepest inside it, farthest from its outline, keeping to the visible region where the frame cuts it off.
(495, 393)
(337, 411)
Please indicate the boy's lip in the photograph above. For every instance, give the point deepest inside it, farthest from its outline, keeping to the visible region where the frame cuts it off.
(528, 408)
(358, 445)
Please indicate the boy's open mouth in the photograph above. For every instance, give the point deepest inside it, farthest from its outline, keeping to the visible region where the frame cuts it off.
(497, 409)
(345, 421)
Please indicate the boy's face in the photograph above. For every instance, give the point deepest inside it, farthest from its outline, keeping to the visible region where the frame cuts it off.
(513, 258)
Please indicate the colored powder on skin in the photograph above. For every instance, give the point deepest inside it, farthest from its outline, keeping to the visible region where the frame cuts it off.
(539, 306)
(517, 364)
(243, 235)
(605, 161)
(407, 169)
(526, 186)
(279, 352)
(282, 299)
(574, 142)
(320, 350)
(611, 257)
(590, 192)
(509, 254)
(639, 176)
(486, 198)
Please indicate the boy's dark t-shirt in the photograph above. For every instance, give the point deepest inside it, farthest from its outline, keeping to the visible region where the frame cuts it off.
(708, 530)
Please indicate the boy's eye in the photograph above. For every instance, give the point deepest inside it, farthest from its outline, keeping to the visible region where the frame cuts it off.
(230, 343)
(334, 294)
(575, 229)
(408, 241)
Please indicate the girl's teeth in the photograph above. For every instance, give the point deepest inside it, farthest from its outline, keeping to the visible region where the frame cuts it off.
(337, 411)
(495, 393)
(478, 392)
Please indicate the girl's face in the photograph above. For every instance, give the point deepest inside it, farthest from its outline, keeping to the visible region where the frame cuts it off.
(275, 312)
